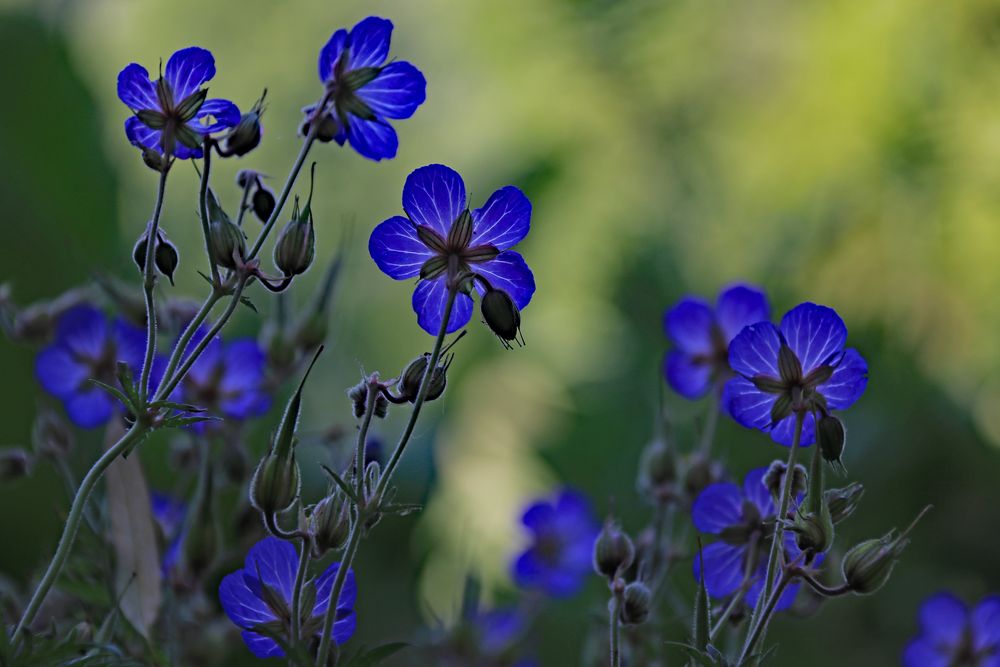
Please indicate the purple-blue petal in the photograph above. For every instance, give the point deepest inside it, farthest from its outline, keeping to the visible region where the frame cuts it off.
(396, 248)
(204, 367)
(59, 372)
(143, 137)
(923, 652)
(330, 53)
(509, 272)
(786, 600)
(739, 306)
(717, 507)
(244, 361)
(816, 334)
(135, 89)
(429, 301)
(187, 70)
(369, 42)
(215, 115)
(783, 432)
(434, 196)
(84, 330)
(723, 568)
(261, 646)
(756, 492)
(503, 220)
(241, 603)
(754, 350)
(274, 561)
(90, 408)
(746, 404)
(848, 381)
(985, 624)
(689, 326)
(538, 516)
(944, 618)
(130, 344)
(687, 375)
(396, 92)
(373, 139)
(324, 586)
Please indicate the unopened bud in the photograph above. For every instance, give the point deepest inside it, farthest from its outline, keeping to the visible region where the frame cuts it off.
(842, 502)
(613, 550)
(246, 135)
(658, 465)
(296, 247)
(330, 523)
(774, 479)
(359, 399)
(813, 530)
(153, 159)
(831, 438)
(867, 566)
(412, 376)
(637, 601)
(275, 484)
(501, 315)
(263, 202)
(14, 464)
(227, 244)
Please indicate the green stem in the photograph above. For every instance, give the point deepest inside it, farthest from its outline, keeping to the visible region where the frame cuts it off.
(206, 167)
(359, 469)
(711, 421)
(418, 403)
(615, 631)
(149, 284)
(243, 203)
(758, 631)
(72, 525)
(185, 339)
(323, 655)
(300, 577)
(778, 542)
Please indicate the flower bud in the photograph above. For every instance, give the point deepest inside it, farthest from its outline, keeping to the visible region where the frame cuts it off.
(359, 399)
(501, 315)
(413, 375)
(227, 244)
(813, 530)
(14, 464)
(613, 550)
(699, 472)
(657, 466)
(275, 484)
(842, 502)
(637, 602)
(867, 566)
(246, 135)
(165, 257)
(774, 479)
(296, 246)
(831, 437)
(154, 160)
(51, 436)
(263, 202)
(330, 523)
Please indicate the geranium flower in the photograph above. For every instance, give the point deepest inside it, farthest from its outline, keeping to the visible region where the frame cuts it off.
(261, 595)
(364, 93)
(558, 559)
(439, 238)
(799, 366)
(227, 379)
(171, 114)
(701, 336)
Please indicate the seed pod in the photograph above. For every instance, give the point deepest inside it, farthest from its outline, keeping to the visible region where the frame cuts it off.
(832, 437)
(501, 315)
(636, 604)
(263, 202)
(613, 550)
(166, 257)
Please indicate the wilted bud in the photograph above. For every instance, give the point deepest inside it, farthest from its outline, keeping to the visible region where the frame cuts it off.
(613, 550)
(842, 502)
(636, 604)
(296, 246)
(867, 566)
(227, 244)
(359, 399)
(774, 479)
(813, 530)
(14, 464)
(831, 437)
(153, 159)
(263, 202)
(330, 523)
(51, 436)
(501, 315)
(246, 135)
(657, 466)
(275, 484)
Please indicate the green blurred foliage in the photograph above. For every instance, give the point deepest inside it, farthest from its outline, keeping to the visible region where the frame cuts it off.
(844, 152)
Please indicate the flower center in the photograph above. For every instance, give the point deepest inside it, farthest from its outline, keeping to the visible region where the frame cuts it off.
(455, 253)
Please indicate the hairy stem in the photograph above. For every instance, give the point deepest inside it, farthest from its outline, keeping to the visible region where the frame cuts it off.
(149, 284)
(300, 577)
(323, 655)
(206, 167)
(181, 347)
(359, 465)
(758, 630)
(614, 628)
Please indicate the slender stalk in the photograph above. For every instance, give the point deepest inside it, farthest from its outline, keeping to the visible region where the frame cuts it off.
(711, 421)
(181, 347)
(300, 577)
(615, 631)
(87, 485)
(206, 167)
(359, 465)
(777, 545)
(323, 655)
(421, 394)
(757, 631)
(243, 203)
(149, 284)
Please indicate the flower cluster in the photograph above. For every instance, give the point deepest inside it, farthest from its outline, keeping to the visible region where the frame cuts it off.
(953, 634)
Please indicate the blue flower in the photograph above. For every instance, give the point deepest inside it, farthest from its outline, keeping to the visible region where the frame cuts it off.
(172, 114)
(563, 531)
(364, 93)
(169, 513)
(87, 347)
(701, 336)
(499, 634)
(228, 379)
(261, 594)
(744, 518)
(439, 238)
(951, 634)
(800, 365)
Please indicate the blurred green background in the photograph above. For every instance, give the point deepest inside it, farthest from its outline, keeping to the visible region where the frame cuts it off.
(845, 152)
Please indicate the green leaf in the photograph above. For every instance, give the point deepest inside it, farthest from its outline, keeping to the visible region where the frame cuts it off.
(339, 481)
(117, 393)
(245, 300)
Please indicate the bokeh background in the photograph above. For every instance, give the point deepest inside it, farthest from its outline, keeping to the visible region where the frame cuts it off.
(845, 152)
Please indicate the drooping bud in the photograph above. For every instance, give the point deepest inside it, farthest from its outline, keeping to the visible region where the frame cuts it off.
(227, 243)
(501, 315)
(51, 436)
(246, 135)
(330, 523)
(637, 601)
(613, 550)
(867, 566)
(831, 437)
(657, 466)
(413, 375)
(359, 400)
(165, 256)
(14, 464)
(154, 160)
(774, 479)
(263, 202)
(296, 246)
(842, 502)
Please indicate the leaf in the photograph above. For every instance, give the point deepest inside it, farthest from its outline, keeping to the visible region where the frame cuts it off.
(245, 300)
(117, 393)
(133, 536)
(366, 658)
(339, 481)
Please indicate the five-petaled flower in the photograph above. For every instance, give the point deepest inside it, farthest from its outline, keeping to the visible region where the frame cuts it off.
(744, 521)
(227, 379)
(172, 115)
(558, 559)
(800, 366)
(87, 348)
(362, 93)
(701, 337)
(259, 597)
(440, 240)
(952, 635)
